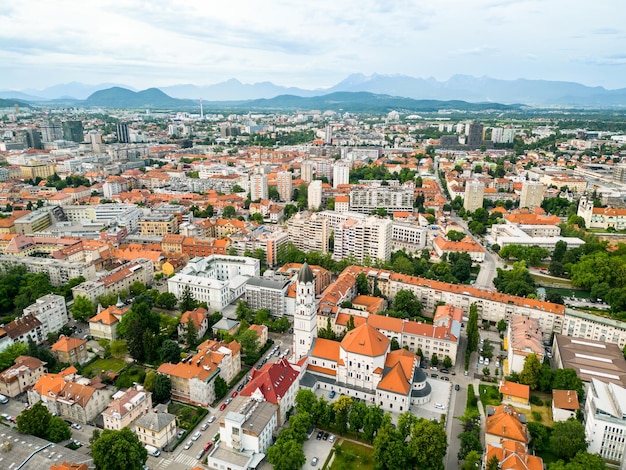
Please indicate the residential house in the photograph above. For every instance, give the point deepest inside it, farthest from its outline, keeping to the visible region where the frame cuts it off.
(524, 337)
(51, 311)
(103, 325)
(21, 376)
(261, 334)
(515, 394)
(200, 319)
(156, 428)
(70, 350)
(564, 405)
(504, 422)
(126, 407)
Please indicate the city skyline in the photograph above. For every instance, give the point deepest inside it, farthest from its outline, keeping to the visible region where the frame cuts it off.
(151, 44)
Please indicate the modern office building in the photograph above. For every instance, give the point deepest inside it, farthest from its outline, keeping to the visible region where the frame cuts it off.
(475, 136)
(123, 134)
(73, 131)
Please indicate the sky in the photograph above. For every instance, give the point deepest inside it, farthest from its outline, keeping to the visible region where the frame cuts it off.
(308, 44)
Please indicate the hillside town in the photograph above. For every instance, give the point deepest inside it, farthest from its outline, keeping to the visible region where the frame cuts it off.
(282, 290)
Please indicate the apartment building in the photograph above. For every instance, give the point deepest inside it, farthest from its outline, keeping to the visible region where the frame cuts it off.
(217, 280)
(23, 328)
(309, 232)
(71, 397)
(284, 185)
(193, 380)
(258, 187)
(341, 174)
(126, 406)
(366, 239)
(409, 237)
(474, 195)
(467, 245)
(532, 194)
(579, 324)
(21, 376)
(141, 270)
(390, 198)
(123, 215)
(159, 224)
(245, 436)
(262, 293)
(523, 337)
(51, 311)
(605, 422)
(314, 195)
(33, 222)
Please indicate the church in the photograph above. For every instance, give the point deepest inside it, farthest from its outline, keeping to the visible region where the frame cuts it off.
(361, 366)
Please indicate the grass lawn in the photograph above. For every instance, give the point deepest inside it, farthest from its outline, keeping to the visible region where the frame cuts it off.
(489, 395)
(187, 415)
(350, 455)
(581, 294)
(544, 281)
(546, 414)
(111, 364)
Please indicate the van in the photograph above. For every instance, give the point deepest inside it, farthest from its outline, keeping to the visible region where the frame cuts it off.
(153, 450)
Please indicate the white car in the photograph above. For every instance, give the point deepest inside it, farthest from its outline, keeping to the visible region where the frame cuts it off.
(188, 445)
(196, 436)
(211, 419)
(439, 406)
(486, 361)
(481, 360)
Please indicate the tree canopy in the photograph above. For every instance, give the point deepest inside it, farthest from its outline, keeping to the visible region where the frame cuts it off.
(118, 450)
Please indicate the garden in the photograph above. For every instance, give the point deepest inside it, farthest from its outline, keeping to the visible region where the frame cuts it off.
(350, 455)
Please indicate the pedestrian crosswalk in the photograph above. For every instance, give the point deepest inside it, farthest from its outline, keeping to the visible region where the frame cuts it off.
(187, 460)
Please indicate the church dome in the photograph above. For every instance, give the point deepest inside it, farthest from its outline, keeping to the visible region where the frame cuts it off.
(305, 275)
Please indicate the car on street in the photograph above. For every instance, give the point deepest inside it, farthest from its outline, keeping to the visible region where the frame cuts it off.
(314, 461)
(212, 419)
(204, 426)
(228, 400)
(196, 436)
(457, 387)
(240, 388)
(208, 445)
(181, 433)
(188, 445)
(223, 407)
(332, 394)
(199, 454)
(234, 394)
(76, 426)
(319, 435)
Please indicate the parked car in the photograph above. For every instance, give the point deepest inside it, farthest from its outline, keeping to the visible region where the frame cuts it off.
(481, 360)
(188, 445)
(325, 436)
(196, 436)
(228, 400)
(332, 394)
(240, 388)
(314, 461)
(204, 426)
(212, 418)
(486, 361)
(320, 435)
(234, 394)
(331, 439)
(208, 445)
(445, 371)
(199, 454)
(223, 407)
(446, 378)
(181, 433)
(434, 376)
(457, 387)
(439, 406)
(76, 426)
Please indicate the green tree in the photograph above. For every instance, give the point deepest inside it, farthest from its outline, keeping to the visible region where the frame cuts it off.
(169, 351)
(58, 430)
(137, 288)
(406, 302)
(221, 388)
(567, 379)
(191, 334)
(229, 212)
(286, 454)
(83, 309)
(559, 251)
(447, 362)
(501, 326)
(12, 352)
(34, 421)
(434, 360)
(582, 461)
(249, 343)
(372, 422)
(493, 463)
(350, 323)
(394, 344)
(162, 388)
(342, 412)
(428, 444)
(357, 416)
(187, 302)
(118, 450)
(390, 452)
(472, 461)
(118, 348)
(568, 438)
(305, 401)
(361, 284)
(166, 300)
(540, 436)
(472, 329)
(531, 371)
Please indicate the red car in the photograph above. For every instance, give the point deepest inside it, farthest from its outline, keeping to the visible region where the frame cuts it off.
(234, 394)
(208, 445)
(223, 407)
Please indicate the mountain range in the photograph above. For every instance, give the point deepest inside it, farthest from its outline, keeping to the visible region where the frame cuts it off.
(458, 87)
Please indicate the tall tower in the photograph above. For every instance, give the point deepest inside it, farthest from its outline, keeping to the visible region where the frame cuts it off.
(305, 316)
(474, 193)
(585, 209)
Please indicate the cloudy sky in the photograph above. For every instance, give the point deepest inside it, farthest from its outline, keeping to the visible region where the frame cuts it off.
(308, 44)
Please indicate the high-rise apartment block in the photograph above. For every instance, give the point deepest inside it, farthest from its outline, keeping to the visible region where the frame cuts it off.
(258, 187)
(474, 193)
(341, 174)
(369, 238)
(315, 195)
(306, 171)
(309, 232)
(475, 135)
(390, 198)
(532, 194)
(284, 185)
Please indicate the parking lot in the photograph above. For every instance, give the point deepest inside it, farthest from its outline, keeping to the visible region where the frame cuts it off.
(319, 448)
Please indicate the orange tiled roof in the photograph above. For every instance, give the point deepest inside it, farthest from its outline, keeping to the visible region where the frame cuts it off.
(67, 344)
(514, 389)
(513, 456)
(505, 423)
(365, 340)
(395, 381)
(565, 399)
(326, 349)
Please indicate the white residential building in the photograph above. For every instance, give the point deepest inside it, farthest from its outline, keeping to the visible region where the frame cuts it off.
(532, 194)
(390, 198)
(474, 194)
(605, 422)
(309, 232)
(258, 187)
(370, 238)
(217, 280)
(51, 311)
(315, 195)
(284, 185)
(341, 174)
